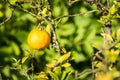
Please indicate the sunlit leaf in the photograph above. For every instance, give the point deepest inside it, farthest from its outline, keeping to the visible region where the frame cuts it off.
(24, 59)
(64, 57)
(104, 76)
(50, 65)
(41, 75)
(112, 9)
(101, 21)
(48, 28)
(98, 64)
(44, 12)
(112, 55)
(1, 14)
(66, 65)
(12, 1)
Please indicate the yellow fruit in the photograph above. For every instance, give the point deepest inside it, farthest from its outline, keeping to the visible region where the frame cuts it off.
(38, 39)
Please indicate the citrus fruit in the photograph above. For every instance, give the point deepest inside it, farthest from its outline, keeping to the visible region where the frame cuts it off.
(38, 39)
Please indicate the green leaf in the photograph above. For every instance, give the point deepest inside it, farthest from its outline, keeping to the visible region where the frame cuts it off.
(97, 42)
(15, 48)
(90, 34)
(80, 34)
(112, 9)
(69, 76)
(88, 49)
(56, 11)
(12, 1)
(82, 21)
(101, 21)
(66, 30)
(6, 50)
(6, 71)
(64, 12)
(53, 75)
(21, 36)
(78, 57)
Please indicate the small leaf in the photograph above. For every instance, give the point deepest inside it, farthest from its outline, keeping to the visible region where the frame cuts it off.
(44, 12)
(53, 75)
(112, 9)
(112, 55)
(64, 57)
(101, 21)
(1, 14)
(64, 50)
(69, 76)
(12, 1)
(104, 76)
(66, 64)
(99, 64)
(15, 48)
(24, 59)
(48, 29)
(88, 49)
(42, 75)
(6, 71)
(50, 65)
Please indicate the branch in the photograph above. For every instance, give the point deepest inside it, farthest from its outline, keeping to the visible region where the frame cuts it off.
(100, 6)
(78, 14)
(53, 33)
(93, 59)
(12, 10)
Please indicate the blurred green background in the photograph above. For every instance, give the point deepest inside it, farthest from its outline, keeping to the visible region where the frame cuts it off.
(78, 34)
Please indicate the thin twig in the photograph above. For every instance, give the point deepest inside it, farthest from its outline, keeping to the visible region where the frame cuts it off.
(7, 18)
(78, 14)
(100, 6)
(23, 71)
(93, 59)
(87, 71)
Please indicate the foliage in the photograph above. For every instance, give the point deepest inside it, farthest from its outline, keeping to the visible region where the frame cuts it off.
(85, 38)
